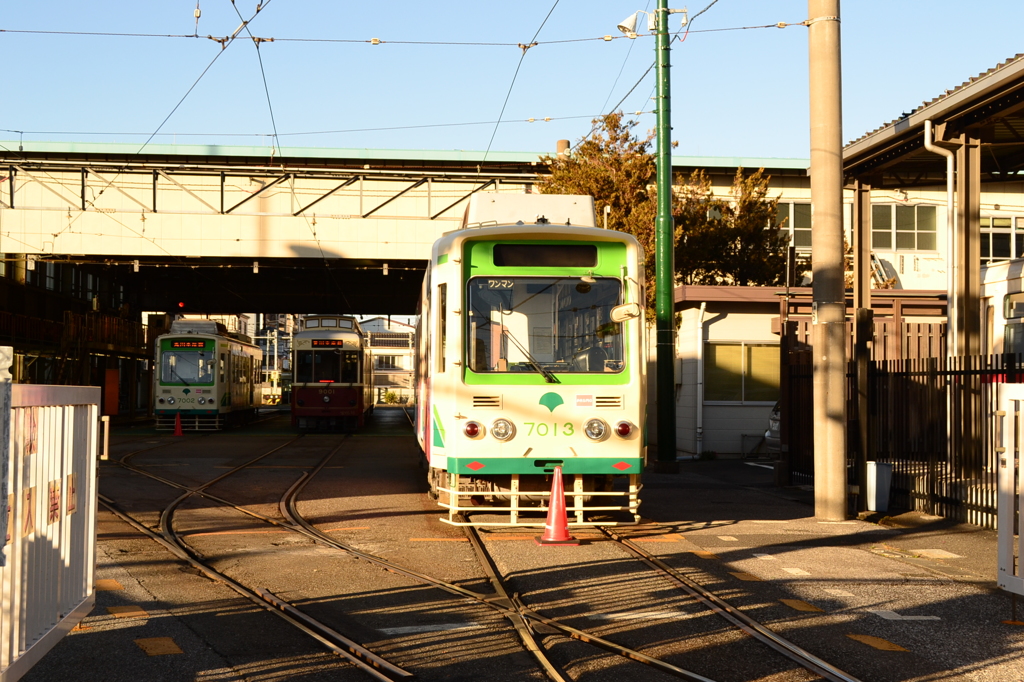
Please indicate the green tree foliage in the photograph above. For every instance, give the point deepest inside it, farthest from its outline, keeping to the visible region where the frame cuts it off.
(718, 240)
(617, 169)
(735, 240)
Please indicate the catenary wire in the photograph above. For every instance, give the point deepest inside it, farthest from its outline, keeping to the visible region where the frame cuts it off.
(525, 48)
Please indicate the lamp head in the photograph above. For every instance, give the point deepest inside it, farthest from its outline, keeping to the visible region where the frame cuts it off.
(628, 25)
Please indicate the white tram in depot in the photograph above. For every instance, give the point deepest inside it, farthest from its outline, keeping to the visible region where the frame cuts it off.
(531, 356)
(332, 385)
(205, 376)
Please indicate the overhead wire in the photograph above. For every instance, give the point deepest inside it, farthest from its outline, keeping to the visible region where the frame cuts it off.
(110, 182)
(674, 36)
(270, 106)
(525, 48)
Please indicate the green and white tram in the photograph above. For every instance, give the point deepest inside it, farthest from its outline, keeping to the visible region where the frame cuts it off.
(531, 356)
(205, 376)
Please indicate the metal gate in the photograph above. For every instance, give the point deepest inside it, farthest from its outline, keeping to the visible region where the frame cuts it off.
(1008, 445)
(48, 449)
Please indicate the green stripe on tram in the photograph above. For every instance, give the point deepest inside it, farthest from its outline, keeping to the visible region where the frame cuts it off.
(438, 429)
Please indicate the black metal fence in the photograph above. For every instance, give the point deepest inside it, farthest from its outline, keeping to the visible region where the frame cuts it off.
(931, 418)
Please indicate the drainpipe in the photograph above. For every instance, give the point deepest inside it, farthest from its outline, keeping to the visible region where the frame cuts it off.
(953, 266)
(700, 379)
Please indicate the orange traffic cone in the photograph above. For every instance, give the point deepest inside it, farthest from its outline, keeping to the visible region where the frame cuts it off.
(556, 528)
(177, 425)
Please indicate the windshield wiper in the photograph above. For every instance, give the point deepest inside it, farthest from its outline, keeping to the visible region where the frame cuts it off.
(548, 376)
(175, 373)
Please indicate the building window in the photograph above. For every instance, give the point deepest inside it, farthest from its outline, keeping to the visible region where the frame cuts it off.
(796, 219)
(1001, 238)
(903, 228)
(387, 362)
(741, 372)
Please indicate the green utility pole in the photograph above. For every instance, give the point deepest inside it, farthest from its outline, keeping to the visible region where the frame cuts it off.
(664, 266)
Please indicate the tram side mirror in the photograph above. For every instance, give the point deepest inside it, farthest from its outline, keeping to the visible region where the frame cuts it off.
(626, 311)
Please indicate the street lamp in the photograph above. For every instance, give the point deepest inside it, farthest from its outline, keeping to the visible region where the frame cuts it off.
(657, 22)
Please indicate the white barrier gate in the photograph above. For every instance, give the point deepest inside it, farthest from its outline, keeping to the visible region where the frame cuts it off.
(49, 450)
(1009, 442)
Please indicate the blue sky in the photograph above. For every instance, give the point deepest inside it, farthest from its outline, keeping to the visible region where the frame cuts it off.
(736, 90)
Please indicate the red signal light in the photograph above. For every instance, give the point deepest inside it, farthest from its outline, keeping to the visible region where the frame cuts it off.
(623, 429)
(181, 304)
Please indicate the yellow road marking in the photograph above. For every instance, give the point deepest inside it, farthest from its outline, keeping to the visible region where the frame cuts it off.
(877, 642)
(747, 577)
(158, 646)
(108, 584)
(801, 605)
(704, 554)
(131, 611)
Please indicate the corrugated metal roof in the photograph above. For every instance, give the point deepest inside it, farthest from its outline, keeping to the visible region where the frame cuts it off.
(936, 100)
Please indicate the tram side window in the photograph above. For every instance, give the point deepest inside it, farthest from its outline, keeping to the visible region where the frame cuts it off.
(442, 316)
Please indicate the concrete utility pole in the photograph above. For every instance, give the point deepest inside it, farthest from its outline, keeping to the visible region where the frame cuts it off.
(829, 306)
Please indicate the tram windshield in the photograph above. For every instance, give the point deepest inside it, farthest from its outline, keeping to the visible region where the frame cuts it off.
(544, 324)
(187, 367)
(326, 366)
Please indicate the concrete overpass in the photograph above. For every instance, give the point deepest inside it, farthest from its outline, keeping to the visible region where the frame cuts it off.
(235, 229)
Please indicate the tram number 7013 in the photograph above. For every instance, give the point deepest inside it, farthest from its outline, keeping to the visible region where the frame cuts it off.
(543, 430)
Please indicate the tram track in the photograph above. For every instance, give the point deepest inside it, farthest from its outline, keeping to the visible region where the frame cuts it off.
(527, 622)
(355, 653)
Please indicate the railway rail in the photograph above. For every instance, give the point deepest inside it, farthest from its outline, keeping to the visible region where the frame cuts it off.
(529, 624)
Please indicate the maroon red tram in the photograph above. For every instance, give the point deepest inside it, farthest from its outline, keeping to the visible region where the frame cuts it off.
(333, 374)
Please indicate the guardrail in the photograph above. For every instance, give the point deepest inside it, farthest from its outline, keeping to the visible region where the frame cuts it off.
(48, 452)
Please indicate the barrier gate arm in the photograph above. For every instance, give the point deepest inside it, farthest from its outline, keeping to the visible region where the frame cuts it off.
(1010, 479)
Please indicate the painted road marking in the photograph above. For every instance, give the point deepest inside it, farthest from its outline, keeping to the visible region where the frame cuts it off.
(438, 539)
(727, 538)
(877, 642)
(936, 554)
(892, 615)
(796, 571)
(763, 466)
(765, 557)
(746, 577)
(131, 611)
(840, 593)
(801, 605)
(108, 584)
(442, 627)
(158, 646)
(704, 554)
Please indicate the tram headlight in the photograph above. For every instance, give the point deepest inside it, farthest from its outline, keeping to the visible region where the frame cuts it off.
(503, 429)
(472, 429)
(595, 429)
(327, 398)
(202, 401)
(623, 429)
(170, 401)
